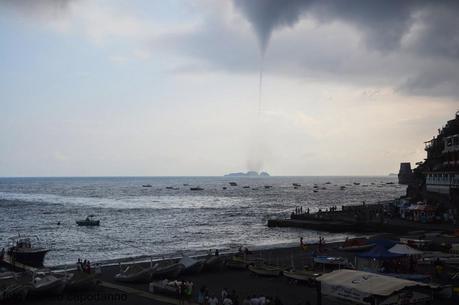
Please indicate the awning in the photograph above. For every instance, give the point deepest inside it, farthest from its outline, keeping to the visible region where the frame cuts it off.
(404, 249)
(357, 286)
(379, 252)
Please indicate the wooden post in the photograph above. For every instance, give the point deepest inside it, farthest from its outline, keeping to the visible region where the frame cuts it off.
(319, 292)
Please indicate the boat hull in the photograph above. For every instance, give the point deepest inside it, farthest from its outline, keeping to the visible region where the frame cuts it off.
(265, 271)
(29, 258)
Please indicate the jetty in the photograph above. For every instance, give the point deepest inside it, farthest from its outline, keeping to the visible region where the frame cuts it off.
(364, 218)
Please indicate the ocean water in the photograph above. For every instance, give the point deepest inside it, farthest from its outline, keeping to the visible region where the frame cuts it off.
(159, 222)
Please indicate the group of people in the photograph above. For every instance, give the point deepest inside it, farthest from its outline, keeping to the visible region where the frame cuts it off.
(184, 290)
(228, 297)
(84, 266)
(320, 245)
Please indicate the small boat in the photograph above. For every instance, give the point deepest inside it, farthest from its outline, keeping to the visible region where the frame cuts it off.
(136, 274)
(79, 280)
(330, 260)
(169, 188)
(268, 186)
(185, 184)
(265, 270)
(315, 191)
(233, 183)
(356, 183)
(191, 265)
(88, 222)
(46, 284)
(342, 187)
(224, 187)
(196, 188)
(146, 185)
(296, 184)
(301, 275)
(215, 262)
(26, 250)
(328, 182)
(168, 271)
(246, 187)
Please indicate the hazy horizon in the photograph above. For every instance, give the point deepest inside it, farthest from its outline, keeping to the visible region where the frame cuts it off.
(171, 88)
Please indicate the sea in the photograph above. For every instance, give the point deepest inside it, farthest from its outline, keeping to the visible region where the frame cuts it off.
(160, 222)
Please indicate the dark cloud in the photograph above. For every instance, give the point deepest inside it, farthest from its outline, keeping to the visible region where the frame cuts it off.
(38, 8)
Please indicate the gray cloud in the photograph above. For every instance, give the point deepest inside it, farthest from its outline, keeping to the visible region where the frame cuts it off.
(38, 8)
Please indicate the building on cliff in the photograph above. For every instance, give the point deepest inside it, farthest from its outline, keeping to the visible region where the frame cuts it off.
(436, 179)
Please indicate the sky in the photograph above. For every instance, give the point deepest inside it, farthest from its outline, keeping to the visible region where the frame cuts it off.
(167, 88)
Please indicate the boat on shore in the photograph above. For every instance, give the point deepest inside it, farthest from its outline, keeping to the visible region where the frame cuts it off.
(265, 270)
(88, 222)
(46, 284)
(136, 274)
(26, 250)
(168, 271)
(214, 263)
(191, 265)
(79, 280)
(305, 276)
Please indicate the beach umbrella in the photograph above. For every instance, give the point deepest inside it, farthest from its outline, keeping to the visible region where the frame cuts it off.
(404, 250)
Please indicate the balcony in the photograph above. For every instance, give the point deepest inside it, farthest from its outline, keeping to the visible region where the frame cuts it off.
(442, 182)
(451, 144)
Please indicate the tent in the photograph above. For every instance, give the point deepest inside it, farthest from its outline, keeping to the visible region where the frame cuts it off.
(386, 243)
(379, 252)
(404, 250)
(370, 288)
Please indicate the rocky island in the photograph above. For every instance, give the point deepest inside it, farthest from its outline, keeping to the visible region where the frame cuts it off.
(248, 174)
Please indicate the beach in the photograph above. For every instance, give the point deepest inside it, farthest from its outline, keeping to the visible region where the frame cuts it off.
(243, 282)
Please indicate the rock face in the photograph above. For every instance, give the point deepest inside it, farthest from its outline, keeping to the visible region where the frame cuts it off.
(248, 174)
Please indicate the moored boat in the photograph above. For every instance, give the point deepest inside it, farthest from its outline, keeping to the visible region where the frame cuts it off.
(233, 183)
(79, 280)
(88, 222)
(196, 188)
(301, 275)
(213, 263)
(191, 265)
(168, 271)
(136, 274)
(46, 284)
(26, 250)
(265, 270)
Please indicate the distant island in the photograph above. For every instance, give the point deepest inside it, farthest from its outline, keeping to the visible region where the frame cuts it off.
(248, 174)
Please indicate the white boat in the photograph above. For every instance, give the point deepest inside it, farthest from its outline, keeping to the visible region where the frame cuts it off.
(191, 265)
(46, 284)
(330, 260)
(136, 274)
(301, 275)
(265, 270)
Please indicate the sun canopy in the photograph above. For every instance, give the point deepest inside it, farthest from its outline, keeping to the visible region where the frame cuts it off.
(404, 250)
(379, 252)
(357, 286)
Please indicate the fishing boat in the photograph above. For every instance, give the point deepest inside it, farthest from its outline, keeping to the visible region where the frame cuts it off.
(246, 187)
(46, 284)
(268, 186)
(265, 270)
(88, 222)
(191, 265)
(136, 274)
(233, 183)
(196, 188)
(296, 184)
(26, 250)
(305, 276)
(146, 185)
(213, 263)
(168, 271)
